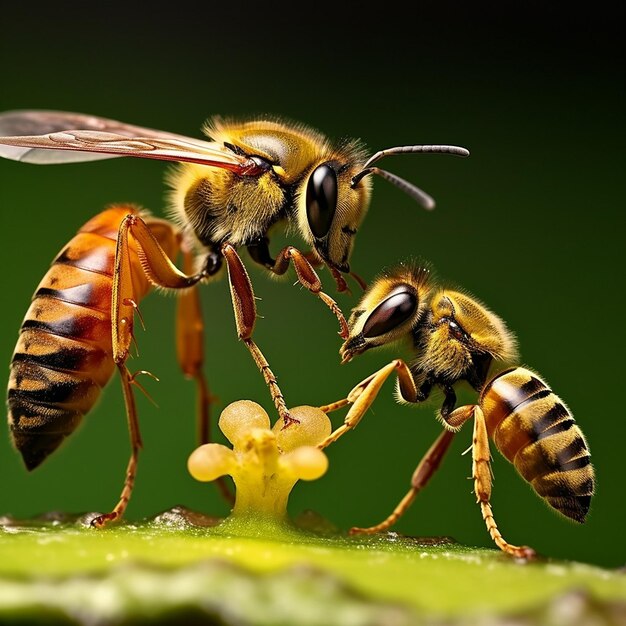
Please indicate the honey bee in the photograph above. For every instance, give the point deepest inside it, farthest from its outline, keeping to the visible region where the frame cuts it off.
(454, 338)
(225, 194)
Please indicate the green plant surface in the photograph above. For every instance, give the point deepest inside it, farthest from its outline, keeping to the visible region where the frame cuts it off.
(63, 567)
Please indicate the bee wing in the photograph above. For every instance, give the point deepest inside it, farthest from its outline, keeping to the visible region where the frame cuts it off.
(46, 137)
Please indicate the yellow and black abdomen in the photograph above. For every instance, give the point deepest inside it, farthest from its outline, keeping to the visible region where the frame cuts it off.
(532, 428)
(63, 357)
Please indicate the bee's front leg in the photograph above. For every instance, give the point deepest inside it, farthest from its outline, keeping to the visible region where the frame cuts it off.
(307, 276)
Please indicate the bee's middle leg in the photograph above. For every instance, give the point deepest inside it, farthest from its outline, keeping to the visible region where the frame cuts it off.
(244, 307)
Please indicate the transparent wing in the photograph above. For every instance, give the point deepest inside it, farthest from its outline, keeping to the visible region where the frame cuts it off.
(46, 137)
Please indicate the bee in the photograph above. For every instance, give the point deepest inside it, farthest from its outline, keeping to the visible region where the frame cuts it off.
(453, 338)
(225, 194)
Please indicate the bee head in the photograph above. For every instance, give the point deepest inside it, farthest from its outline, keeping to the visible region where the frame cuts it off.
(337, 195)
(333, 212)
(389, 310)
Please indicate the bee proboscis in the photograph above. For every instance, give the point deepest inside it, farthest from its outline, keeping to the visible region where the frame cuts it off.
(454, 338)
(226, 193)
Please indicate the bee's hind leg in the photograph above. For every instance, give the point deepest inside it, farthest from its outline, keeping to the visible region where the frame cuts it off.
(190, 352)
(135, 444)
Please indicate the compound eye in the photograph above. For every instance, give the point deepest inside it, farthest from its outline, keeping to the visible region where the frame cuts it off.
(321, 200)
(392, 312)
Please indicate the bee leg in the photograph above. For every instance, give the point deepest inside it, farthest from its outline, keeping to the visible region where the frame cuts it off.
(309, 279)
(342, 285)
(362, 284)
(452, 418)
(190, 352)
(364, 394)
(422, 474)
(157, 267)
(481, 473)
(160, 271)
(244, 307)
(190, 349)
(313, 258)
(334, 406)
(307, 276)
(135, 443)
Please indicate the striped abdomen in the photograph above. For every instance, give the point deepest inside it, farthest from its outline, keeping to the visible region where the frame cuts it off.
(534, 430)
(63, 356)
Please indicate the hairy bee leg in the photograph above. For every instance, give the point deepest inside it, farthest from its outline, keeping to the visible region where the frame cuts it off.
(453, 420)
(190, 352)
(309, 279)
(244, 307)
(307, 276)
(481, 473)
(364, 394)
(313, 258)
(334, 406)
(342, 285)
(190, 349)
(157, 267)
(135, 444)
(422, 474)
(160, 270)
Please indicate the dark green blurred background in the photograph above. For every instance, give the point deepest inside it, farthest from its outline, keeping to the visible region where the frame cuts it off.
(531, 223)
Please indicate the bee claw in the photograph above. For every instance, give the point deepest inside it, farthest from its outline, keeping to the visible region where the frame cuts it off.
(288, 421)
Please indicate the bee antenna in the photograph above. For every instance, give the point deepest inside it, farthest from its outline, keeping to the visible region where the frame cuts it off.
(414, 192)
(454, 150)
(421, 197)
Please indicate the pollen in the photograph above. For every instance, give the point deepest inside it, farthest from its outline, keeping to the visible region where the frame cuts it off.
(265, 462)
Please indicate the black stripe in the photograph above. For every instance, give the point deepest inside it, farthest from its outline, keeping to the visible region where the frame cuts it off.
(576, 508)
(70, 359)
(580, 462)
(79, 294)
(516, 404)
(532, 386)
(584, 502)
(558, 487)
(22, 407)
(54, 393)
(556, 428)
(554, 414)
(75, 326)
(36, 441)
(575, 448)
(94, 261)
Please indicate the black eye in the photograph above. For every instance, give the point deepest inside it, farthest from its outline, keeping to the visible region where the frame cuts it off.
(390, 313)
(321, 199)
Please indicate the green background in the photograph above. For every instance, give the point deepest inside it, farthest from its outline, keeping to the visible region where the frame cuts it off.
(531, 224)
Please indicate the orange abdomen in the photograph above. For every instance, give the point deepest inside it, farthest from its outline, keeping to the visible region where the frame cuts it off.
(532, 428)
(63, 356)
